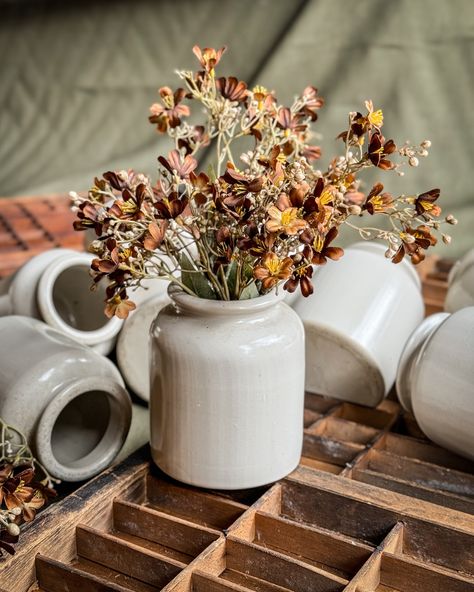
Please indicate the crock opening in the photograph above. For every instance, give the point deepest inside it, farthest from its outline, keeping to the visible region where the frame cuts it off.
(75, 303)
(80, 428)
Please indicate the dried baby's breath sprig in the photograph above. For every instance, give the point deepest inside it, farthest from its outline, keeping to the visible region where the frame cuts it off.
(25, 486)
(251, 223)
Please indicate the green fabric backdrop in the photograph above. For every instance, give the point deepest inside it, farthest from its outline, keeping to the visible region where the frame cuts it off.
(77, 79)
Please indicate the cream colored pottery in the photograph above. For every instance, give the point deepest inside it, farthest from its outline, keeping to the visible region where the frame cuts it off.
(69, 401)
(410, 354)
(461, 284)
(55, 287)
(441, 383)
(227, 391)
(133, 345)
(357, 322)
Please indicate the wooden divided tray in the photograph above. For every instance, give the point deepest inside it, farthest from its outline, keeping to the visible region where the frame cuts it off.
(370, 508)
(373, 507)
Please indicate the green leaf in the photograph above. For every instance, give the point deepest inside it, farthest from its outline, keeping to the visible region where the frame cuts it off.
(231, 277)
(195, 280)
(211, 173)
(251, 291)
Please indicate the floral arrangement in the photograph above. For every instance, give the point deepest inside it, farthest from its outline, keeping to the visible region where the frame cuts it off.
(251, 223)
(25, 486)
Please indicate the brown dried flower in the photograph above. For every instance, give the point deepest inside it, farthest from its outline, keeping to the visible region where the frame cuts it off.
(249, 224)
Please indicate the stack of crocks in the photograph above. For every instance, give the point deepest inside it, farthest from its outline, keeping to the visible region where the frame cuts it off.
(68, 400)
(357, 324)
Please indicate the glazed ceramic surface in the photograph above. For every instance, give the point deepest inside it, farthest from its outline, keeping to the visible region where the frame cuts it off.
(461, 284)
(133, 345)
(55, 287)
(410, 355)
(69, 401)
(357, 322)
(441, 381)
(227, 390)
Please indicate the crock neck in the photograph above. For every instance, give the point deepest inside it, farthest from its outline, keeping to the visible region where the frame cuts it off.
(205, 307)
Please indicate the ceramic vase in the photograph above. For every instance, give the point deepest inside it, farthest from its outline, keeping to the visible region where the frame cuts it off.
(55, 287)
(133, 347)
(357, 322)
(227, 390)
(461, 284)
(437, 383)
(68, 400)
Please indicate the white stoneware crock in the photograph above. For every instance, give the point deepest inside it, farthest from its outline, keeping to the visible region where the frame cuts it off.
(69, 401)
(133, 345)
(438, 382)
(227, 390)
(357, 322)
(461, 284)
(410, 354)
(55, 287)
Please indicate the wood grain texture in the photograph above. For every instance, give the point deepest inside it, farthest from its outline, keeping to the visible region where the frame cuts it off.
(168, 531)
(275, 568)
(53, 532)
(127, 557)
(197, 506)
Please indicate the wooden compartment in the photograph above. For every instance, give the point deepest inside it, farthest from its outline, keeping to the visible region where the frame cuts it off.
(439, 485)
(199, 507)
(381, 418)
(331, 552)
(404, 575)
(239, 565)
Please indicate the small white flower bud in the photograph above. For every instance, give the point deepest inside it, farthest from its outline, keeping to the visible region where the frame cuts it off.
(299, 176)
(450, 219)
(401, 173)
(446, 239)
(15, 511)
(355, 210)
(423, 153)
(426, 144)
(413, 161)
(389, 253)
(13, 529)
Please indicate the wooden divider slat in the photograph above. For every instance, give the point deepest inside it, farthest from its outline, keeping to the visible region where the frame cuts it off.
(197, 506)
(126, 557)
(170, 531)
(54, 576)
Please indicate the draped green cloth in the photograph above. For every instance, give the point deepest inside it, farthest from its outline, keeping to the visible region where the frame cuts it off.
(77, 78)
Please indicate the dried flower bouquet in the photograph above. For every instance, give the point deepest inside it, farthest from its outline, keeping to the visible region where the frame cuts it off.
(257, 221)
